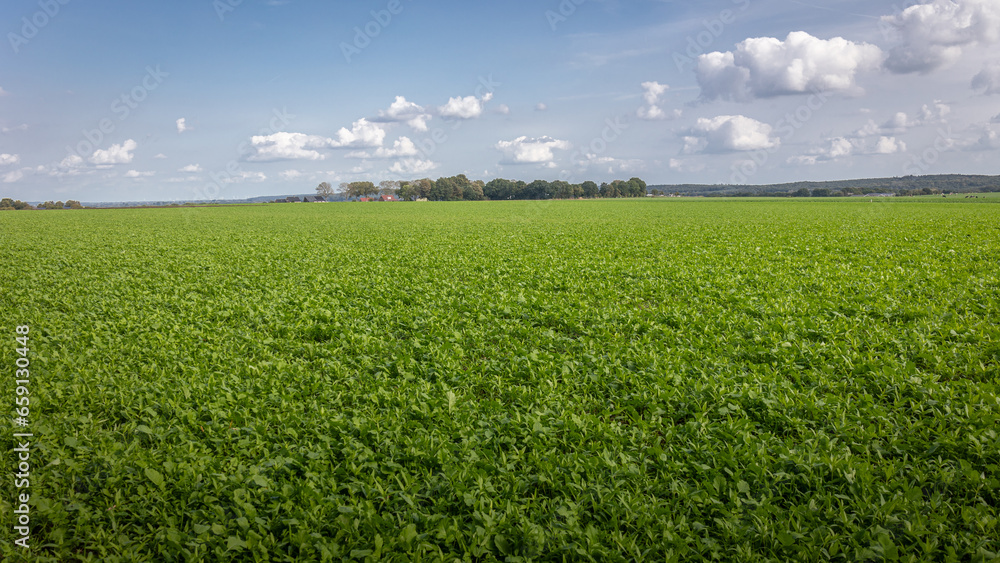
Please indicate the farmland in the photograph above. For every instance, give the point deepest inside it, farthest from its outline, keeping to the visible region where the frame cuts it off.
(586, 380)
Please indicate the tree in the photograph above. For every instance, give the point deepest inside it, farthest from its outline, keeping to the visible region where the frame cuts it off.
(73, 204)
(590, 189)
(324, 189)
(388, 187)
(407, 191)
(361, 189)
(474, 191)
(801, 192)
(6, 203)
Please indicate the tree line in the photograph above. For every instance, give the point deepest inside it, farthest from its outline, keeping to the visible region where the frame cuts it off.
(460, 188)
(8, 204)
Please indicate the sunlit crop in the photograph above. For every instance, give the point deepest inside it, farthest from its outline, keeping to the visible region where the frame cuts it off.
(658, 380)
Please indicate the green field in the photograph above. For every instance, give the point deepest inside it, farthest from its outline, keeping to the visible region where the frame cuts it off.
(663, 380)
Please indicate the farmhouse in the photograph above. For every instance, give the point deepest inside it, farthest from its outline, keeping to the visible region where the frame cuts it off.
(314, 199)
(388, 198)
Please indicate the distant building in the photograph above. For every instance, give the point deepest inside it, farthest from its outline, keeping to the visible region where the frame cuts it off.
(292, 199)
(364, 199)
(314, 199)
(388, 198)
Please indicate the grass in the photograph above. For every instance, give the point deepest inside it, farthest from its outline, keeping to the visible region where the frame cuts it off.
(745, 380)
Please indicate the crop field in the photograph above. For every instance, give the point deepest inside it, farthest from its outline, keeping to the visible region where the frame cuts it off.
(648, 380)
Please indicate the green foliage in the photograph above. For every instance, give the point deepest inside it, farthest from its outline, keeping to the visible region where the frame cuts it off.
(662, 380)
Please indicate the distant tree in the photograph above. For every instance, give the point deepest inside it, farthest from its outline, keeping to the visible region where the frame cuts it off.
(801, 192)
(821, 192)
(561, 189)
(474, 191)
(73, 204)
(539, 189)
(423, 187)
(388, 187)
(361, 189)
(6, 204)
(500, 188)
(407, 191)
(590, 189)
(324, 189)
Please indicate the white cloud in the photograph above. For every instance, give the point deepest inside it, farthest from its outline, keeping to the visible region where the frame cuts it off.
(469, 107)
(287, 146)
(610, 164)
(402, 111)
(990, 140)
(934, 112)
(12, 176)
(362, 134)
(988, 79)
(889, 145)
(765, 66)
(160, 156)
(291, 174)
(115, 154)
(412, 166)
(137, 174)
(245, 176)
(71, 161)
(729, 133)
(190, 168)
(9, 159)
(503, 109)
(403, 146)
(995, 119)
(934, 33)
(21, 127)
(541, 107)
(523, 150)
(652, 110)
(181, 125)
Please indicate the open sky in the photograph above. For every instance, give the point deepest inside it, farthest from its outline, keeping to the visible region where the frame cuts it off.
(112, 101)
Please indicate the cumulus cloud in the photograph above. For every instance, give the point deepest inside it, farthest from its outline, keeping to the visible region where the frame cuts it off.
(934, 33)
(291, 174)
(182, 125)
(412, 166)
(362, 134)
(287, 146)
(115, 154)
(541, 106)
(469, 107)
(160, 156)
(609, 164)
(651, 95)
(934, 112)
(12, 176)
(403, 111)
(9, 159)
(190, 168)
(988, 79)
(71, 161)
(762, 67)
(729, 133)
(843, 147)
(137, 174)
(523, 150)
(245, 176)
(503, 109)
(403, 146)
(21, 127)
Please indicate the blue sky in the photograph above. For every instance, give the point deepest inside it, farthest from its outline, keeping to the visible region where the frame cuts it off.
(108, 101)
